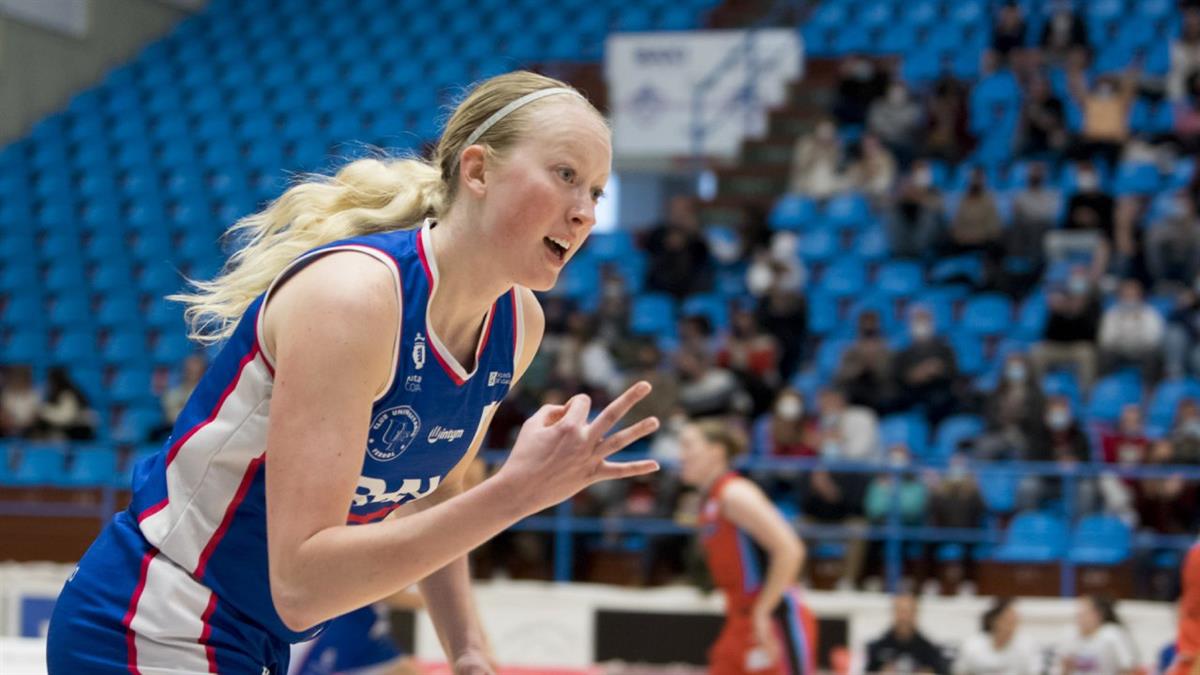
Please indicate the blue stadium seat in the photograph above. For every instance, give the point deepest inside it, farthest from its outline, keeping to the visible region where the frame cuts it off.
(1110, 394)
(998, 487)
(900, 278)
(848, 211)
(1166, 399)
(137, 423)
(119, 310)
(1031, 318)
(40, 465)
(613, 245)
(829, 356)
(872, 244)
(792, 212)
(908, 428)
(969, 353)
(822, 313)
(1033, 537)
(953, 434)
(78, 345)
(713, 306)
(125, 347)
(70, 310)
(1136, 178)
(653, 314)
(131, 385)
(845, 277)
(1100, 540)
(92, 466)
(1063, 383)
(987, 314)
(818, 246)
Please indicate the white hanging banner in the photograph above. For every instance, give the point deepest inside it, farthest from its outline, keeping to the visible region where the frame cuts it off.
(653, 77)
(64, 16)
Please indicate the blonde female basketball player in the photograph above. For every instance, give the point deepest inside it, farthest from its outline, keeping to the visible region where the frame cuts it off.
(372, 323)
(755, 558)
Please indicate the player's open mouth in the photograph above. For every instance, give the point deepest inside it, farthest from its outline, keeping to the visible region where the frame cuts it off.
(557, 247)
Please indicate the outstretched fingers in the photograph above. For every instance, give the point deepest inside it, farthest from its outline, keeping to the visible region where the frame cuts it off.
(614, 411)
(619, 470)
(627, 436)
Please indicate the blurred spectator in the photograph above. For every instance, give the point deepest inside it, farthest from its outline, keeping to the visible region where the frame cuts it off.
(1106, 109)
(926, 369)
(754, 231)
(1013, 411)
(1128, 444)
(906, 494)
(896, 119)
(1185, 55)
(696, 334)
(1071, 329)
(1187, 117)
(753, 356)
(174, 398)
(1185, 434)
(679, 260)
(1091, 207)
(903, 649)
(948, 136)
(1043, 121)
(19, 401)
(708, 391)
(919, 215)
(817, 162)
(1065, 31)
(860, 83)
(848, 432)
(583, 359)
(784, 314)
(663, 399)
(1166, 505)
(1061, 439)
(874, 172)
(1103, 646)
(976, 225)
(64, 414)
(998, 648)
(955, 500)
(777, 266)
(792, 433)
(1173, 244)
(1035, 212)
(865, 372)
(1131, 333)
(1008, 33)
(1182, 341)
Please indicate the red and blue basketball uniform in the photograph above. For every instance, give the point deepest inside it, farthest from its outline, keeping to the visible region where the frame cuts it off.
(738, 567)
(180, 580)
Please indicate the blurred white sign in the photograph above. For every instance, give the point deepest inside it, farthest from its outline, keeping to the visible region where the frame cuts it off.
(654, 79)
(65, 16)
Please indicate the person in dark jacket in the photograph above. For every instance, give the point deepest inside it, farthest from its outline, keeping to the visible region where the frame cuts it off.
(903, 649)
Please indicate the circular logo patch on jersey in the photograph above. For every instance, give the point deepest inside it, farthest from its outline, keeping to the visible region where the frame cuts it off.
(392, 431)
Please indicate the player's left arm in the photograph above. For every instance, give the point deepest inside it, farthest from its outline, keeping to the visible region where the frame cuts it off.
(747, 507)
(447, 592)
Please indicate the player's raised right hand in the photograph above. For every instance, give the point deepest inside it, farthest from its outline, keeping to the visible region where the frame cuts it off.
(558, 452)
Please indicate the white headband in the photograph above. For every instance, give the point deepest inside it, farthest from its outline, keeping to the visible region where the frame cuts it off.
(513, 105)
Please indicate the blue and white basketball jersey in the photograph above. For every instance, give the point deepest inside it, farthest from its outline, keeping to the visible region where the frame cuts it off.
(358, 643)
(200, 501)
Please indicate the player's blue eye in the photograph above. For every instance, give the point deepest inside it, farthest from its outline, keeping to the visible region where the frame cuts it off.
(567, 174)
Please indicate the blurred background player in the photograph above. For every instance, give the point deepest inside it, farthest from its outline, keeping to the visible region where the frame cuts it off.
(755, 558)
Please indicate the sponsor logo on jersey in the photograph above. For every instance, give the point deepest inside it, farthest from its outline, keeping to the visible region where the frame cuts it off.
(440, 433)
(418, 355)
(392, 431)
(412, 383)
(375, 490)
(497, 377)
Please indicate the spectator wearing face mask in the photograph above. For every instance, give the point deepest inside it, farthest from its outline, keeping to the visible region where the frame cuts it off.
(918, 217)
(753, 356)
(955, 500)
(1166, 505)
(1182, 340)
(927, 369)
(1008, 34)
(1127, 445)
(1071, 327)
(1013, 411)
(860, 83)
(874, 172)
(791, 432)
(1064, 31)
(865, 372)
(1131, 334)
(1089, 228)
(896, 119)
(907, 494)
(1173, 244)
(1035, 212)
(1185, 55)
(1061, 440)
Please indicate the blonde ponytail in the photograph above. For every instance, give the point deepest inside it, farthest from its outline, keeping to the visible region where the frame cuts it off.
(365, 196)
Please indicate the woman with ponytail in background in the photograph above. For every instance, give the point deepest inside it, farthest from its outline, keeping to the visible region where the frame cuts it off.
(371, 323)
(998, 648)
(755, 558)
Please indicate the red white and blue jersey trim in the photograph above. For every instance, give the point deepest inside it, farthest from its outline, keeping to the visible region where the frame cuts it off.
(200, 502)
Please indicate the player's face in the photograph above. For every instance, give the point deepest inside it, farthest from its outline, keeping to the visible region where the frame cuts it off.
(541, 200)
(697, 456)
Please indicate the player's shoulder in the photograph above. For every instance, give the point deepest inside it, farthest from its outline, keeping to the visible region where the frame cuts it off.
(531, 313)
(739, 489)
